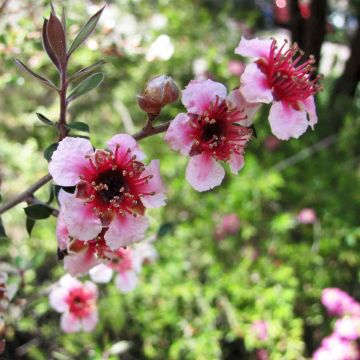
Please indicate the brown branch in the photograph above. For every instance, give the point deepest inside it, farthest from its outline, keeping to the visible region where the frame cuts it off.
(145, 132)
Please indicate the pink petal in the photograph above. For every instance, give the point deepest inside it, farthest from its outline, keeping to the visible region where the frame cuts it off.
(254, 86)
(309, 106)
(57, 299)
(68, 159)
(80, 219)
(63, 195)
(89, 322)
(236, 163)
(126, 142)
(68, 282)
(204, 172)
(125, 230)
(155, 185)
(254, 48)
(69, 323)
(126, 281)
(198, 95)
(236, 100)
(81, 262)
(91, 288)
(62, 233)
(286, 122)
(101, 273)
(179, 134)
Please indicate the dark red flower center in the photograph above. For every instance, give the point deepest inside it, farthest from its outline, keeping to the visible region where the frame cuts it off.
(290, 78)
(218, 132)
(80, 302)
(114, 183)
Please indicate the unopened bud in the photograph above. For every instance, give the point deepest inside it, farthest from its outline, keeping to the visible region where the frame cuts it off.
(159, 91)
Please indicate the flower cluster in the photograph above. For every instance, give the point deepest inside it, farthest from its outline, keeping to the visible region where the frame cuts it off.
(341, 344)
(113, 187)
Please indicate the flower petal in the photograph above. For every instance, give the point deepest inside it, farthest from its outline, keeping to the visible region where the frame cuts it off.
(236, 162)
(68, 159)
(155, 185)
(69, 323)
(80, 219)
(236, 100)
(198, 95)
(89, 322)
(126, 281)
(254, 86)
(178, 135)
(287, 122)
(57, 299)
(125, 230)
(310, 108)
(125, 142)
(101, 273)
(81, 262)
(254, 48)
(69, 282)
(204, 172)
(62, 233)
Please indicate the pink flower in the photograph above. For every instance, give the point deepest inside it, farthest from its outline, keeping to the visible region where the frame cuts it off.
(307, 216)
(262, 354)
(230, 225)
(348, 327)
(213, 130)
(272, 143)
(277, 77)
(113, 189)
(121, 261)
(260, 329)
(339, 303)
(335, 348)
(76, 302)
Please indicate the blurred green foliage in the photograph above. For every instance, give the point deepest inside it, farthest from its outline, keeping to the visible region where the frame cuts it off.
(199, 299)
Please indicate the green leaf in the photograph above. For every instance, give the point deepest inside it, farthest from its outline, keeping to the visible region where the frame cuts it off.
(80, 126)
(49, 151)
(38, 211)
(29, 225)
(2, 230)
(40, 78)
(86, 71)
(165, 229)
(44, 119)
(85, 32)
(86, 85)
(0, 198)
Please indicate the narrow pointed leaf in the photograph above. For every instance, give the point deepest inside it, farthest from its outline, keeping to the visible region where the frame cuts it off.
(86, 70)
(47, 46)
(86, 85)
(85, 32)
(44, 119)
(29, 225)
(49, 151)
(56, 37)
(80, 126)
(63, 19)
(38, 211)
(40, 78)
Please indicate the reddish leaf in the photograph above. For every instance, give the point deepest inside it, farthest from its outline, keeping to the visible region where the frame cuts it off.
(47, 46)
(56, 37)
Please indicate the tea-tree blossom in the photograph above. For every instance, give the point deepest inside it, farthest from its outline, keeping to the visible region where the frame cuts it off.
(212, 130)
(113, 189)
(281, 77)
(127, 263)
(77, 303)
(339, 303)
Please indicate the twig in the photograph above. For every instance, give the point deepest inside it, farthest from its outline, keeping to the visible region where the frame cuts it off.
(305, 153)
(28, 193)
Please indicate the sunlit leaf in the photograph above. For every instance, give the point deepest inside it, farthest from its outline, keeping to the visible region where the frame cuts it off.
(40, 78)
(80, 126)
(86, 70)
(85, 32)
(86, 85)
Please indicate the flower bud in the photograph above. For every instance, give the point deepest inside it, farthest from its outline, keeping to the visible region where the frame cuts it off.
(159, 91)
